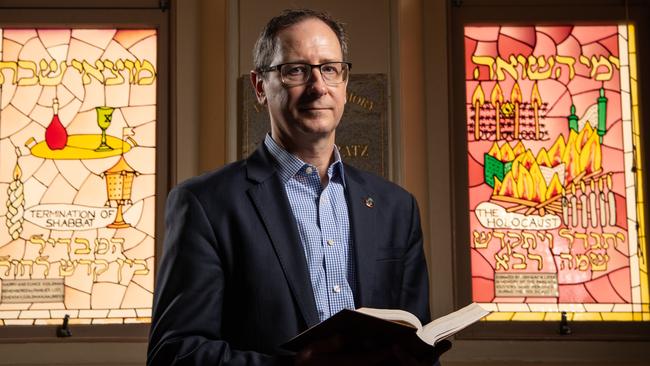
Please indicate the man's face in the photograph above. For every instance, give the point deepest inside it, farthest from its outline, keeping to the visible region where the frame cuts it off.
(310, 112)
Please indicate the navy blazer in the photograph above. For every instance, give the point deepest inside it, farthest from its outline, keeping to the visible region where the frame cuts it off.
(233, 282)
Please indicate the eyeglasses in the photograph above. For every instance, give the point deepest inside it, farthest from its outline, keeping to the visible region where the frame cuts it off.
(294, 74)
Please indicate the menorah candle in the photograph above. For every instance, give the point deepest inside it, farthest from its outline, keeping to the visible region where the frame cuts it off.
(478, 98)
(611, 200)
(593, 215)
(583, 203)
(565, 210)
(536, 101)
(602, 202)
(515, 97)
(497, 99)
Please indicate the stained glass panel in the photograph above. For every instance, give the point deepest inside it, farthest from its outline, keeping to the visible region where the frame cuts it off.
(77, 175)
(555, 185)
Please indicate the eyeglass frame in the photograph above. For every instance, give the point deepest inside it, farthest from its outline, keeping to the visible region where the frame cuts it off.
(278, 68)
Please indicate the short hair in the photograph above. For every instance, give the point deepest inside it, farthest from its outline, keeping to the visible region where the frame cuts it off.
(266, 44)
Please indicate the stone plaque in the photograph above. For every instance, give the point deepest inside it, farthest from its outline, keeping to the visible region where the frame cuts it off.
(362, 135)
(32, 291)
(525, 284)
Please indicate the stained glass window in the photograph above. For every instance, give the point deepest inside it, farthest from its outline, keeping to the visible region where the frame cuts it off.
(554, 161)
(77, 175)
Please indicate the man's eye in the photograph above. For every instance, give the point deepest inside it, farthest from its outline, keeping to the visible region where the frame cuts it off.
(296, 70)
(329, 69)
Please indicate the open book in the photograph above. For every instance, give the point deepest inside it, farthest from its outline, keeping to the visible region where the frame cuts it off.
(385, 326)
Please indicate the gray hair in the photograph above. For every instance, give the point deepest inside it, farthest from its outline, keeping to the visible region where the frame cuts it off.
(266, 44)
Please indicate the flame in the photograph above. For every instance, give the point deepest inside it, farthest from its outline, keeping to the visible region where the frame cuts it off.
(591, 155)
(515, 95)
(494, 151)
(556, 152)
(497, 186)
(529, 159)
(519, 149)
(584, 136)
(543, 159)
(506, 152)
(508, 186)
(478, 96)
(535, 98)
(572, 162)
(554, 188)
(569, 147)
(525, 184)
(539, 184)
(514, 168)
(17, 172)
(497, 96)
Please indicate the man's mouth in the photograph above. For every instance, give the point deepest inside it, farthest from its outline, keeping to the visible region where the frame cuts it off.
(314, 108)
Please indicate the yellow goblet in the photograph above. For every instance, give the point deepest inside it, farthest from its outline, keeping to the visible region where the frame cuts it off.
(104, 117)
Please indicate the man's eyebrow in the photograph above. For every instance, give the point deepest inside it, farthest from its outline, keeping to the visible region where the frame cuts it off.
(322, 61)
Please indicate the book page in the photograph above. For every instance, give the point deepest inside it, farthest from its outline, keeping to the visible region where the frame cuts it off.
(452, 323)
(395, 315)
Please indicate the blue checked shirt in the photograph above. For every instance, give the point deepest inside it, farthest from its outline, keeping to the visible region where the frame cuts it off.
(324, 227)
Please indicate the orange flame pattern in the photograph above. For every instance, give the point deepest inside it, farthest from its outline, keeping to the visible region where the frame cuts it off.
(581, 153)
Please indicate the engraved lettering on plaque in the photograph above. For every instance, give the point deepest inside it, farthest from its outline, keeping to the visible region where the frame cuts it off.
(32, 291)
(525, 285)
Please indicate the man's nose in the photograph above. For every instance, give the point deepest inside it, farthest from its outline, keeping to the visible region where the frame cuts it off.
(317, 82)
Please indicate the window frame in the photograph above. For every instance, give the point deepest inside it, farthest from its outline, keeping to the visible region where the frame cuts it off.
(477, 12)
(100, 14)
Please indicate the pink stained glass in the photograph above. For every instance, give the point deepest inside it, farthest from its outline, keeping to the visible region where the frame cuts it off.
(549, 202)
(77, 176)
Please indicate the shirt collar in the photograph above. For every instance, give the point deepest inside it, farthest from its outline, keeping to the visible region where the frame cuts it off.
(289, 165)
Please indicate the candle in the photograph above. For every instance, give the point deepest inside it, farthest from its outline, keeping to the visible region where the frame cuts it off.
(15, 203)
(496, 99)
(565, 208)
(602, 200)
(593, 215)
(611, 201)
(515, 97)
(583, 203)
(478, 98)
(536, 100)
(574, 206)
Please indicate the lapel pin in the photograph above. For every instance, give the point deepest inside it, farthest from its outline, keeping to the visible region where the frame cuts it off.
(370, 203)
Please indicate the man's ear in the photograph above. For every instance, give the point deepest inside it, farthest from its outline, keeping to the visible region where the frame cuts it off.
(258, 84)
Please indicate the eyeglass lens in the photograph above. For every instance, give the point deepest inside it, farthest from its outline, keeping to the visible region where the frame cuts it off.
(299, 73)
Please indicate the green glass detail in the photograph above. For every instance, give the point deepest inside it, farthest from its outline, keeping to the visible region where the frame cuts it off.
(602, 114)
(573, 119)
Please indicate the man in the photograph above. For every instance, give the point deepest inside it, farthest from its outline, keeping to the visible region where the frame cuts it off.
(267, 247)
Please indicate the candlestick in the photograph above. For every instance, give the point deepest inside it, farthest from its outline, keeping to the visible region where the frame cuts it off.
(515, 97)
(611, 200)
(601, 202)
(593, 215)
(496, 99)
(536, 100)
(478, 98)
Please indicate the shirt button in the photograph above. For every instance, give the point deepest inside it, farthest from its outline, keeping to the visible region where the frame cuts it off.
(323, 199)
(309, 170)
(330, 242)
(336, 288)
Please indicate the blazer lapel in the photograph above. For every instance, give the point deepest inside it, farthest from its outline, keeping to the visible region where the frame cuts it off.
(273, 207)
(362, 208)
